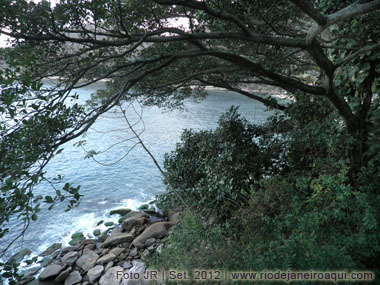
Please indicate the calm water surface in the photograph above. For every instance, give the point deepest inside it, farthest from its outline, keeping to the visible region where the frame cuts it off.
(132, 181)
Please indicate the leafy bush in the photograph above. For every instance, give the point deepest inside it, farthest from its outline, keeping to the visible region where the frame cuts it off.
(303, 213)
(215, 171)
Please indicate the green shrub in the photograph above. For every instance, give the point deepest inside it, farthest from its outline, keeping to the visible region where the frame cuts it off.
(305, 212)
(215, 171)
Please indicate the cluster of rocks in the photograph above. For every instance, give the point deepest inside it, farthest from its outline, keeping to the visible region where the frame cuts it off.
(100, 260)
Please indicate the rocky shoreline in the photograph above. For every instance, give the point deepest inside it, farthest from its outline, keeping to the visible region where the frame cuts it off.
(101, 260)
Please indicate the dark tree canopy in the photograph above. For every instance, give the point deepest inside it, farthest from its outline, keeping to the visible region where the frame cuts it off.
(169, 50)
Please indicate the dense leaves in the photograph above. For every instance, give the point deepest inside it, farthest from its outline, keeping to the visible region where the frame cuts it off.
(306, 214)
(216, 170)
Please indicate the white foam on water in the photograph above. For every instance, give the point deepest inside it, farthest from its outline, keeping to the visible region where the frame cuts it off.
(131, 204)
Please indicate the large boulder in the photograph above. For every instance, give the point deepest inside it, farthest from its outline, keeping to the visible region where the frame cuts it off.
(118, 239)
(157, 231)
(63, 275)
(73, 278)
(94, 273)
(70, 257)
(112, 277)
(51, 271)
(121, 211)
(176, 218)
(20, 255)
(106, 258)
(130, 223)
(54, 247)
(87, 260)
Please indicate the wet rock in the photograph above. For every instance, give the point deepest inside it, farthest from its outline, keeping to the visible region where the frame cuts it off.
(70, 248)
(103, 237)
(31, 271)
(70, 257)
(20, 255)
(121, 211)
(97, 232)
(144, 207)
(76, 238)
(54, 247)
(48, 259)
(25, 280)
(51, 271)
(87, 260)
(94, 273)
(73, 278)
(115, 240)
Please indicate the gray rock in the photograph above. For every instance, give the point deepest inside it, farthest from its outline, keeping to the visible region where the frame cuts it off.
(108, 266)
(129, 223)
(157, 231)
(150, 241)
(116, 231)
(176, 218)
(73, 278)
(25, 279)
(88, 241)
(20, 255)
(137, 215)
(51, 249)
(91, 246)
(138, 267)
(87, 260)
(145, 253)
(126, 265)
(111, 276)
(31, 271)
(47, 260)
(70, 257)
(63, 275)
(33, 282)
(115, 240)
(133, 252)
(70, 248)
(106, 258)
(102, 238)
(51, 271)
(117, 250)
(159, 248)
(94, 273)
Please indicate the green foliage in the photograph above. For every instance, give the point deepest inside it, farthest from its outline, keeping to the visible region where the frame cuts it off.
(32, 128)
(306, 215)
(215, 171)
